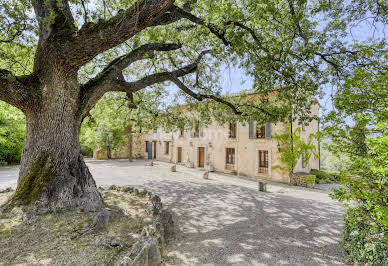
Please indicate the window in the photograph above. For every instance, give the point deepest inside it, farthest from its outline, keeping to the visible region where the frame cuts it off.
(155, 131)
(303, 160)
(230, 158)
(303, 127)
(146, 143)
(196, 129)
(166, 147)
(260, 132)
(263, 162)
(181, 132)
(232, 130)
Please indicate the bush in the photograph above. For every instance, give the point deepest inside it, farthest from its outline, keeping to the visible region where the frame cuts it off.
(324, 177)
(86, 151)
(12, 132)
(366, 244)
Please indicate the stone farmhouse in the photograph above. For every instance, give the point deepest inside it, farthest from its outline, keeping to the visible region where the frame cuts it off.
(243, 149)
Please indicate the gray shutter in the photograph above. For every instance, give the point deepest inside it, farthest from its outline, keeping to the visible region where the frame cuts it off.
(191, 133)
(201, 133)
(251, 129)
(268, 131)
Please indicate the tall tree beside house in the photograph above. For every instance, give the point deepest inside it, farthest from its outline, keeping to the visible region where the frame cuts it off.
(59, 57)
(293, 148)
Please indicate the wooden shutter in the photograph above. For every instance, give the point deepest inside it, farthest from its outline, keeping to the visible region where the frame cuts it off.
(268, 131)
(252, 130)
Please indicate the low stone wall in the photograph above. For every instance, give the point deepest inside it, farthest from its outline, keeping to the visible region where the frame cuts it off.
(152, 246)
(302, 180)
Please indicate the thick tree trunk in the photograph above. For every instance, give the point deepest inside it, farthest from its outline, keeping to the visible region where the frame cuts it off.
(53, 173)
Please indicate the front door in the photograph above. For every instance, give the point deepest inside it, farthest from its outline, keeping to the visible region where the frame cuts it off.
(179, 159)
(154, 149)
(201, 157)
(149, 150)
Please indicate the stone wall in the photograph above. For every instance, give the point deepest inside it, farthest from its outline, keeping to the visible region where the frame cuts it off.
(302, 180)
(138, 150)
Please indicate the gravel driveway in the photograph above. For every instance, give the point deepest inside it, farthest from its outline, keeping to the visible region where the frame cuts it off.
(226, 221)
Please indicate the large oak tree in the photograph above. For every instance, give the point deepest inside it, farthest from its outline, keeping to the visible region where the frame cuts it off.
(58, 61)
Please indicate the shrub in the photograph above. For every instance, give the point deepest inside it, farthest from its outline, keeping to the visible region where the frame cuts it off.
(366, 244)
(12, 132)
(322, 176)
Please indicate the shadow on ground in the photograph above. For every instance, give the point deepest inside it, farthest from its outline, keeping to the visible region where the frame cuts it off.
(230, 225)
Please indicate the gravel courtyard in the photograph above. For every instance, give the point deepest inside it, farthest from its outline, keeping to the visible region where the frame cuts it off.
(226, 221)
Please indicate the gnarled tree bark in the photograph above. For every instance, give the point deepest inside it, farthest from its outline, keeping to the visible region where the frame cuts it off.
(53, 173)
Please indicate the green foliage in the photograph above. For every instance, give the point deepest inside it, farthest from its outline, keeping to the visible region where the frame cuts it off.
(365, 243)
(324, 177)
(292, 147)
(107, 126)
(358, 128)
(12, 132)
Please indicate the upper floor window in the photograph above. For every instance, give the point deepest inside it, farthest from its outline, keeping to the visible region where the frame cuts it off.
(258, 131)
(181, 132)
(303, 160)
(232, 130)
(196, 129)
(155, 130)
(303, 127)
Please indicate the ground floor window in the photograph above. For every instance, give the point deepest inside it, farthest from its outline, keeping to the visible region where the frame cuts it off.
(179, 159)
(230, 158)
(263, 162)
(166, 147)
(146, 143)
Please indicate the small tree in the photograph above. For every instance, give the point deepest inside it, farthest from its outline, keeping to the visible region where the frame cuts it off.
(292, 148)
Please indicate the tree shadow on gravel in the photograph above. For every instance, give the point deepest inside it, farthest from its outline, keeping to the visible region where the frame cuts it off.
(232, 225)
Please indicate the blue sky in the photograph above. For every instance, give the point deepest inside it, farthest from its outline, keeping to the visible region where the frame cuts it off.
(232, 76)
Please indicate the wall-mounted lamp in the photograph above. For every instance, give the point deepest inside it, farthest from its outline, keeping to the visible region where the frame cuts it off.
(278, 147)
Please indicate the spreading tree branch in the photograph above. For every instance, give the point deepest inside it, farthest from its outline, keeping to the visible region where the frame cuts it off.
(95, 38)
(200, 97)
(18, 91)
(93, 91)
(181, 13)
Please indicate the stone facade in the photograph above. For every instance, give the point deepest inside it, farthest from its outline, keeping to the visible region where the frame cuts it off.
(214, 143)
(208, 148)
